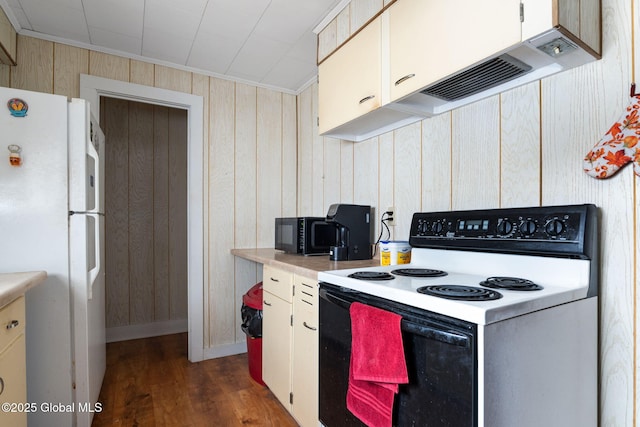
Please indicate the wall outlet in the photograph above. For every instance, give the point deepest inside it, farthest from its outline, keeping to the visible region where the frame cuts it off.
(391, 216)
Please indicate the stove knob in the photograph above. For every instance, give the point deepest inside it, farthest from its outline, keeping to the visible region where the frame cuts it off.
(504, 227)
(424, 227)
(437, 227)
(554, 227)
(528, 227)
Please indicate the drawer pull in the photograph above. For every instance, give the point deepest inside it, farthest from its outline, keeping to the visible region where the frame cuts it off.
(274, 280)
(13, 324)
(366, 98)
(266, 303)
(1, 385)
(309, 327)
(405, 78)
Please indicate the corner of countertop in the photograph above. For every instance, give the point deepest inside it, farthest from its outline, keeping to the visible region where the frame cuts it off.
(13, 285)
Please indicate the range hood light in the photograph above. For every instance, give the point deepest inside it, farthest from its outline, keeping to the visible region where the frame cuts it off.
(558, 47)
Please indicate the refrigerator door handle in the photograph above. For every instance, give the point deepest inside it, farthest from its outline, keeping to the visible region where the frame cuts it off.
(95, 271)
(97, 178)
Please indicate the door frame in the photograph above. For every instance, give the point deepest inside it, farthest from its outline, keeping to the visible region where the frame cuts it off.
(91, 89)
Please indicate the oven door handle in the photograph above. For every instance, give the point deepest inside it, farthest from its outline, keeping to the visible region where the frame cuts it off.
(429, 332)
(446, 337)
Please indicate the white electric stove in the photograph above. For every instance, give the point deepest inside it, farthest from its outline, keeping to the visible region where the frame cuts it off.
(528, 351)
(558, 280)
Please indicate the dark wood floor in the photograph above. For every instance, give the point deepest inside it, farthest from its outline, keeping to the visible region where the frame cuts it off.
(150, 382)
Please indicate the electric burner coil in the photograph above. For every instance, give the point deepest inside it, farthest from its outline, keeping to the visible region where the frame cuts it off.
(460, 292)
(510, 283)
(371, 275)
(419, 272)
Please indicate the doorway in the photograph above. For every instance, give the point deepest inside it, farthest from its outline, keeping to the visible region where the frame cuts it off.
(92, 88)
(145, 218)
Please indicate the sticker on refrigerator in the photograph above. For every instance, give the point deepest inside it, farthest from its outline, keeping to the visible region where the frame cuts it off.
(17, 107)
(14, 155)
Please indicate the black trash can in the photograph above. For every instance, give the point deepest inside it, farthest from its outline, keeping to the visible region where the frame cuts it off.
(251, 313)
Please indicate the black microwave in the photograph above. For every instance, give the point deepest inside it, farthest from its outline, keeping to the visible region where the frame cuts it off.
(305, 235)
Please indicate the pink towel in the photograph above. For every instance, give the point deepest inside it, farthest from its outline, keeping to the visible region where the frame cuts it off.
(377, 364)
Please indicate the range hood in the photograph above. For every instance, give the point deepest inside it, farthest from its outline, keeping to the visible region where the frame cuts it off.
(421, 58)
(528, 61)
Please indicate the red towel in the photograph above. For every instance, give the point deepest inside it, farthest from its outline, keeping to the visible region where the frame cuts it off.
(377, 364)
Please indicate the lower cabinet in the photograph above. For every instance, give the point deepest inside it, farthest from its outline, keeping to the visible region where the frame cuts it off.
(290, 342)
(304, 367)
(277, 333)
(276, 347)
(13, 369)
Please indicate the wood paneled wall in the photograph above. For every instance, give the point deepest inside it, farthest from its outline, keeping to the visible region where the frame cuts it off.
(249, 160)
(522, 148)
(146, 212)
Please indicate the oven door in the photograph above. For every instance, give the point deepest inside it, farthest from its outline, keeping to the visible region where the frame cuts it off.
(440, 353)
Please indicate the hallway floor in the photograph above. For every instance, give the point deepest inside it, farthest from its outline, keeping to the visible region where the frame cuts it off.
(150, 382)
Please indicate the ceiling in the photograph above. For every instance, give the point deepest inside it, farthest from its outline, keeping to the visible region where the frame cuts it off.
(267, 42)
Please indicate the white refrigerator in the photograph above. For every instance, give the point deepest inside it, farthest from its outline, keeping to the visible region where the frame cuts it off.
(52, 219)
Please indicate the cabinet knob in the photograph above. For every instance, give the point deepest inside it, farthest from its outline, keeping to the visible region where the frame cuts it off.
(405, 78)
(13, 324)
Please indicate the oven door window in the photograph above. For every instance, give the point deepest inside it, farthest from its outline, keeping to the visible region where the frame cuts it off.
(440, 359)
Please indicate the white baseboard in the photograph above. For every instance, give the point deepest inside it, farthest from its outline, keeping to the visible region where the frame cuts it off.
(146, 330)
(225, 350)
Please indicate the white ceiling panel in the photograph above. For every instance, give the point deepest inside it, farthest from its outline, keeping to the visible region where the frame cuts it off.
(115, 41)
(189, 6)
(164, 46)
(59, 18)
(118, 16)
(271, 23)
(269, 42)
(231, 19)
(213, 52)
(172, 19)
(307, 43)
(257, 57)
(290, 70)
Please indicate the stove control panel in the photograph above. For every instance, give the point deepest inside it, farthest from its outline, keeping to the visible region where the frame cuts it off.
(551, 229)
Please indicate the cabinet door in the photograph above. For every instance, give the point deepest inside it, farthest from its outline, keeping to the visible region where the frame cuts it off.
(305, 352)
(13, 383)
(418, 54)
(276, 346)
(350, 79)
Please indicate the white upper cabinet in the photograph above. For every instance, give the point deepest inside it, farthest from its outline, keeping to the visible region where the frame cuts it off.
(351, 79)
(420, 58)
(350, 89)
(431, 39)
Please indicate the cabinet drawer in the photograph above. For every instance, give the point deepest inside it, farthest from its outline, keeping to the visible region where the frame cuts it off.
(12, 318)
(278, 282)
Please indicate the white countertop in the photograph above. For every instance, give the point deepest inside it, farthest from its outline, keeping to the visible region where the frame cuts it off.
(12, 285)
